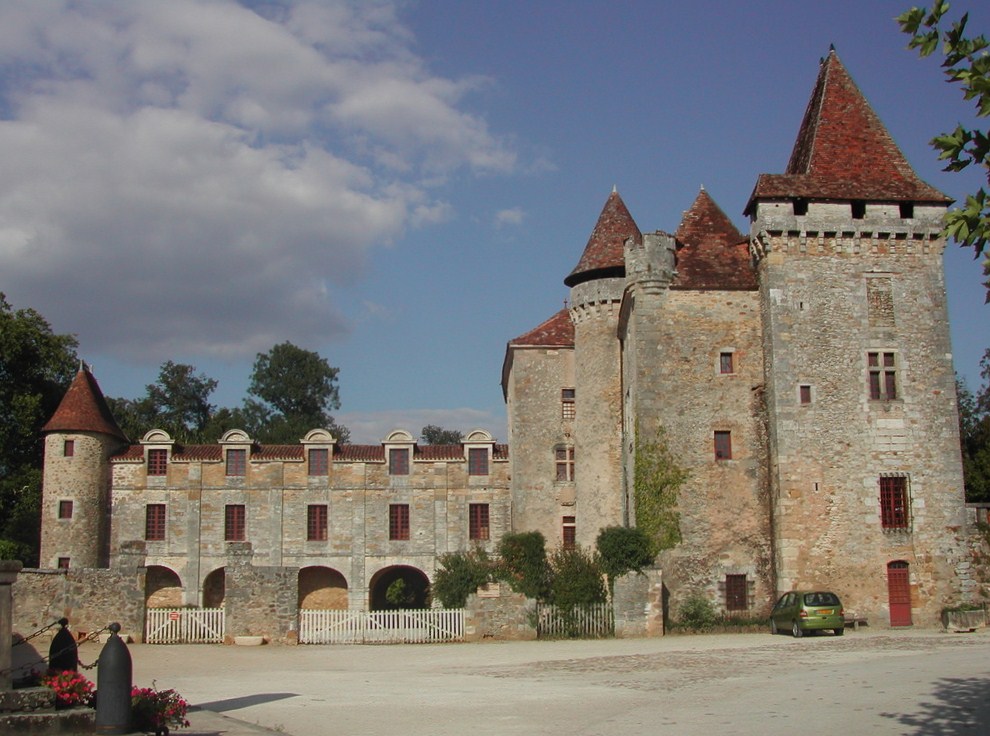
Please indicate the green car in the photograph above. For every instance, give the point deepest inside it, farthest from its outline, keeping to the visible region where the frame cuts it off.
(807, 610)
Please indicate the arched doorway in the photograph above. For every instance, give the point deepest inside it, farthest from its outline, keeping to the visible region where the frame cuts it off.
(215, 588)
(397, 587)
(162, 588)
(322, 589)
(899, 592)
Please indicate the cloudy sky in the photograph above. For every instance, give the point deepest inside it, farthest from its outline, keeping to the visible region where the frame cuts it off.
(400, 186)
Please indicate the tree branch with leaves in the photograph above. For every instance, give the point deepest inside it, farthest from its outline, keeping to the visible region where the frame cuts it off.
(966, 63)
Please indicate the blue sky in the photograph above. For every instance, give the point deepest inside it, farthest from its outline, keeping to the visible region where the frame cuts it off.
(401, 187)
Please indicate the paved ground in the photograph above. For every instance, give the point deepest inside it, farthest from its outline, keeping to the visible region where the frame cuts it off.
(877, 682)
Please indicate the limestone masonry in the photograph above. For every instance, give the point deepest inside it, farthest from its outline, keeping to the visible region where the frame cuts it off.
(801, 373)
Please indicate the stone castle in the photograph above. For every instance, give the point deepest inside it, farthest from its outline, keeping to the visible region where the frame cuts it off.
(802, 375)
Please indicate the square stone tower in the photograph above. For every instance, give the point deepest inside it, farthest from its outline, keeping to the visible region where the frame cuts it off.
(865, 471)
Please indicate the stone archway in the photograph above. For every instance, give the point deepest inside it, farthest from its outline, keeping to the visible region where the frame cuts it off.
(162, 588)
(322, 588)
(408, 583)
(215, 588)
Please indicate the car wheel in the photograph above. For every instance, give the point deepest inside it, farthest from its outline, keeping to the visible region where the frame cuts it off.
(773, 626)
(839, 632)
(796, 630)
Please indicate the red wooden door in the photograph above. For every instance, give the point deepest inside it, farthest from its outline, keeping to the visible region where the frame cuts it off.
(899, 593)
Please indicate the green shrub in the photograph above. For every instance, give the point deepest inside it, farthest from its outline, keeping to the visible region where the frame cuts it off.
(523, 564)
(575, 579)
(460, 574)
(623, 549)
(697, 612)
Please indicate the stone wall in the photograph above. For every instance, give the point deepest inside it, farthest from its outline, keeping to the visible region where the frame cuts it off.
(262, 601)
(495, 612)
(637, 602)
(91, 599)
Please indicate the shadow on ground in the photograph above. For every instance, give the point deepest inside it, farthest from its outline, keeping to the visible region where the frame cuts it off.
(956, 706)
(222, 706)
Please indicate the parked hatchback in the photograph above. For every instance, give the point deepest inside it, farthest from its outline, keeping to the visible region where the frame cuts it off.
(807, 610)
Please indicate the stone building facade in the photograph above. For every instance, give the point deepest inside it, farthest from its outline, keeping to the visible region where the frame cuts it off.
(801, 373)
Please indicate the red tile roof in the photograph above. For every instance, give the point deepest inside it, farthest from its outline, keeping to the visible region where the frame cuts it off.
(83, 409)
(711, 252)
(843, 151)
(558, 331)
(604, 254)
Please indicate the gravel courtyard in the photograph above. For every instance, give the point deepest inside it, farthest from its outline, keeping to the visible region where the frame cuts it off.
(877, 682)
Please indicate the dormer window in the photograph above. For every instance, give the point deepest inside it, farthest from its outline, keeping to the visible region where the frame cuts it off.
(398, 461)
(237, 444)
(236, 463)
(478, 461)
(478, 447)
(318, 444)
(157, 462)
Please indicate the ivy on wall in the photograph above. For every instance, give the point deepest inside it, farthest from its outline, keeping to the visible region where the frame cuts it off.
(657, 478)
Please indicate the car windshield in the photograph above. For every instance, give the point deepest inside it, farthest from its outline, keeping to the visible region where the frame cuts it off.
(821, 599)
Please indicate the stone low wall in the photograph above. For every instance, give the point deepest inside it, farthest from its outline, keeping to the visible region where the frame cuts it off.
(90, 598)
(495, 612)
(637, 602)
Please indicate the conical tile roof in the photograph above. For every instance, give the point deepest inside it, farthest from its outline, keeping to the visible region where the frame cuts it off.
(711, 252)
(843, 151)
(83, 409)
(604, 256)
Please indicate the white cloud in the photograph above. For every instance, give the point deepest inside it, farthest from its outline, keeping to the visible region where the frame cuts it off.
(190, 177)
(512, 216)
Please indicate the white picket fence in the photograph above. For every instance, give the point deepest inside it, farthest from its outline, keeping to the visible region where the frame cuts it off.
(594, 621)
(185, 626)
(381, 627)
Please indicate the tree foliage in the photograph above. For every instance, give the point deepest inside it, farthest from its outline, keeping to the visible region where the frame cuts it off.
(623, 549)
(36, 368)
(974, 431)
(296, 390)
(966, 63)
(523, 563)
(657, 478)
(459, 575)
(575, 578)
(433, 434)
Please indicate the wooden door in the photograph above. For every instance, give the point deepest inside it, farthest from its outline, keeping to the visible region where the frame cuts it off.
(899, 593)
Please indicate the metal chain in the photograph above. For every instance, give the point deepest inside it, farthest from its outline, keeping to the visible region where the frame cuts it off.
(44, 660)
(39, 632)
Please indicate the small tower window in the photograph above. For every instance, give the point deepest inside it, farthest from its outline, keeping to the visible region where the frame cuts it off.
(907, 210)
(805, 392)
(800, 206)
(567, 406)
(69, 448)
(723, 445)
(858, 209)
(65, 509)
(569, 532)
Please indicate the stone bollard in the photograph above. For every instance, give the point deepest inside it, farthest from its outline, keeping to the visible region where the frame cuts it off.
(113, 686)
(63, 654)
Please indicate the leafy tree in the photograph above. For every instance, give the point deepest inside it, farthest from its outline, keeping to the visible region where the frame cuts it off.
(657, 478)
(974, 430)
(36, 368)
(576, 578)
(623, 549)
(432, 434)
(459, 575)
(523, 563)
(966, 63)
(296, 389)
(178, 402)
